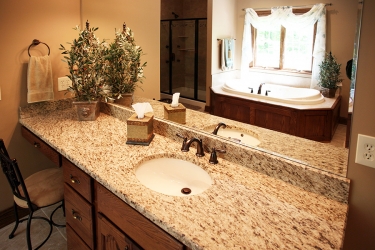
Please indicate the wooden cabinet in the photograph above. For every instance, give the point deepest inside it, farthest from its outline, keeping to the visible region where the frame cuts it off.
(78, 208)
(111, 238)
(313, 124)
(132, 223)
(40, 145)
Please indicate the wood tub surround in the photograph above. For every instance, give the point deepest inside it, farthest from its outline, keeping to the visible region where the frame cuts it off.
(313, 123)
(244, 208)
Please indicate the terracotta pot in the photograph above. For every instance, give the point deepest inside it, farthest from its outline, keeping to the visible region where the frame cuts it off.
(329, 93)
(125, 100)
(87, 111)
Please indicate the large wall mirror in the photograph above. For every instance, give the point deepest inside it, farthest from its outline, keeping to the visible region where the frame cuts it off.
(109, 15)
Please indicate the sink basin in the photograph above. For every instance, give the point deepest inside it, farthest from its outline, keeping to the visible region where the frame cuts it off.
(173, 177)
(236, 135)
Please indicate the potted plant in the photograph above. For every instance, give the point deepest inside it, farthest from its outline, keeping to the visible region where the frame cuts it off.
(85, 63)
(329, 75)
(123, 69)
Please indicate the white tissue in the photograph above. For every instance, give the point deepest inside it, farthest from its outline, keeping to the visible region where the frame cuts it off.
(175, 100)
(141, 108)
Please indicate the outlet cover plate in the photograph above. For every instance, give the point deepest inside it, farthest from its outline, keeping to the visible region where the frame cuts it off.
(63, 83)
(365, 154)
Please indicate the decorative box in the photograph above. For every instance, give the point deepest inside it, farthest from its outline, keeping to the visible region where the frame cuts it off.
(140, 131)
(177, 114)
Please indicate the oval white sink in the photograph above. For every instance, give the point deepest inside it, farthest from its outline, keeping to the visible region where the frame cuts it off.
(173, 177)
(238, 136)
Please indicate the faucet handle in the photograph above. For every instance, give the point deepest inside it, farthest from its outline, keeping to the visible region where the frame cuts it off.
(213, 157)
(184, 141)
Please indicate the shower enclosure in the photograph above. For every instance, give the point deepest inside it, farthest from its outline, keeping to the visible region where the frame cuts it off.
(183, 53)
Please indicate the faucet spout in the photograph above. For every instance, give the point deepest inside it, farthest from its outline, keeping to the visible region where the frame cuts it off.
(221, 124)
(260, 88)
(186, 146)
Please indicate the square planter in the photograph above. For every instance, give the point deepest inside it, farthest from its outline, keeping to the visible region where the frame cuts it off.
(88, 110)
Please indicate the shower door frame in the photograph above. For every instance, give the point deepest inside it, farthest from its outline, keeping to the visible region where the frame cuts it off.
(196, 51)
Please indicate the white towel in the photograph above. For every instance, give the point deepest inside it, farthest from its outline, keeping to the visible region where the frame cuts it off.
(39, 79)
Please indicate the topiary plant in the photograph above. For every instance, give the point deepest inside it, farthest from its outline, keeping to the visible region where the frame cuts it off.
(329, 74)
(123, 69)
(86, 65)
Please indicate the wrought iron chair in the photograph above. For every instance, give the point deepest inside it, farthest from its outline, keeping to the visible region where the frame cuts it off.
(41, 189)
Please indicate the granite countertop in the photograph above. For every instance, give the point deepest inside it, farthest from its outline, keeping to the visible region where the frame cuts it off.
(243, 209)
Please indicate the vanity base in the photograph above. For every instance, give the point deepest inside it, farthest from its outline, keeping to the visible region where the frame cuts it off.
(318, 124)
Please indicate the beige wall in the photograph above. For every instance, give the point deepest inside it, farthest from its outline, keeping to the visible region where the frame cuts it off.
(21, 22)
(143, 17)
(341, 23)
(360, 232)
(224, 23)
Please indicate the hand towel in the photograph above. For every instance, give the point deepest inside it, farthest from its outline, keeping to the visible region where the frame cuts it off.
(39, 79)
(227, 54)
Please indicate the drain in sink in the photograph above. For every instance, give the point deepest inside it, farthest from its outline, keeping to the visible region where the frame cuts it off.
(186, 190)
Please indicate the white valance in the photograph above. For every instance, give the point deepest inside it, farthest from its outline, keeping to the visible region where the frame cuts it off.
(284, 16)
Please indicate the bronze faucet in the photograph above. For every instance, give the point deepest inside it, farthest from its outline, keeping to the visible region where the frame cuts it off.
(260, 88)
(221, 124)
(186, 145)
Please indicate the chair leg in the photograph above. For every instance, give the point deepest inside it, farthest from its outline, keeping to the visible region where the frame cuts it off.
(11, 235)
(53, 212)
(28, 239)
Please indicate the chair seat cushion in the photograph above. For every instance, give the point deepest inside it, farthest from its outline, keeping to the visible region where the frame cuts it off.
(45, 188)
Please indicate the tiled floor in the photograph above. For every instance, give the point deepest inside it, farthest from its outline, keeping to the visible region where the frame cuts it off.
(39, 230)
(57, 240)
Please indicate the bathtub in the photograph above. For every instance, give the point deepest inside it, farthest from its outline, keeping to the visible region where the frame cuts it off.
(277, 93)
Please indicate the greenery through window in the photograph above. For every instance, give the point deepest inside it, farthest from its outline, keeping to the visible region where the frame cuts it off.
(276, 47)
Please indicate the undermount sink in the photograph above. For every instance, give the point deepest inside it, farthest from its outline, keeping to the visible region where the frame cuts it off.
(237, 135)
(173, 177)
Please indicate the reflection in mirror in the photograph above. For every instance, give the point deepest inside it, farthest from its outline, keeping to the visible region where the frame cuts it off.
(321, 155)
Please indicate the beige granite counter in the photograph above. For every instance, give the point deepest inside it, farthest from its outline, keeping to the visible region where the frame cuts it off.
(243, 209)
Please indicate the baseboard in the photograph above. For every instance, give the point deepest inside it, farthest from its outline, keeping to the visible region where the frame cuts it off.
(7, 216)
(207, 109)
(343, 120)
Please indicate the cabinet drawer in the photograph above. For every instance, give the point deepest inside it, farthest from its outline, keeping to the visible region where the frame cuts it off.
(52, 154)
(79, 215)
(74, 242)
(110, 237)
(132, 223)
(77, 179)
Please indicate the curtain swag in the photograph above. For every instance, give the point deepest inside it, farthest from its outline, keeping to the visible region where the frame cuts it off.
(283, 15)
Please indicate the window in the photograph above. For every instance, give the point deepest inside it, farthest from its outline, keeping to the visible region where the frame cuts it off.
(277, 47)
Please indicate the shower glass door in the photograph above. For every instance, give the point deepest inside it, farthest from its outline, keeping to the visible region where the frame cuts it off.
(183, 58)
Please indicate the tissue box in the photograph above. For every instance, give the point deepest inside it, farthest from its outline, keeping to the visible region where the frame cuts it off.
(177, 114)
(140, 131)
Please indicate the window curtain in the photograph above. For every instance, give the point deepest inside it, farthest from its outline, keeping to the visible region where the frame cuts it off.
(284, 16)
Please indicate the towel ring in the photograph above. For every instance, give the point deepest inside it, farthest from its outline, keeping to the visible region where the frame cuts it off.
(36, 42)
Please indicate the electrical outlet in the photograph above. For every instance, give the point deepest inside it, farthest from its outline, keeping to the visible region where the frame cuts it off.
(63, 83)
(365, 151)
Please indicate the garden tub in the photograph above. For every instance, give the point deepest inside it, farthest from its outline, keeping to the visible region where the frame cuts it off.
(276, 93)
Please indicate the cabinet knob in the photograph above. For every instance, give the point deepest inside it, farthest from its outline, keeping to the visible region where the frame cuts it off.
(76, 216)
(36, 144)
(75, 181)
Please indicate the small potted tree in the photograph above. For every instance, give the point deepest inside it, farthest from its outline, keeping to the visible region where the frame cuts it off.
(123, 69)
(85, 63)
(329, 75)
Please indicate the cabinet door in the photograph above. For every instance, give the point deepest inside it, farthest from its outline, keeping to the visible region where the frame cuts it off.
(111, 238)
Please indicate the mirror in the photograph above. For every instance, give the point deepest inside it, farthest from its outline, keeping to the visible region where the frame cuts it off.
(301, 156)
